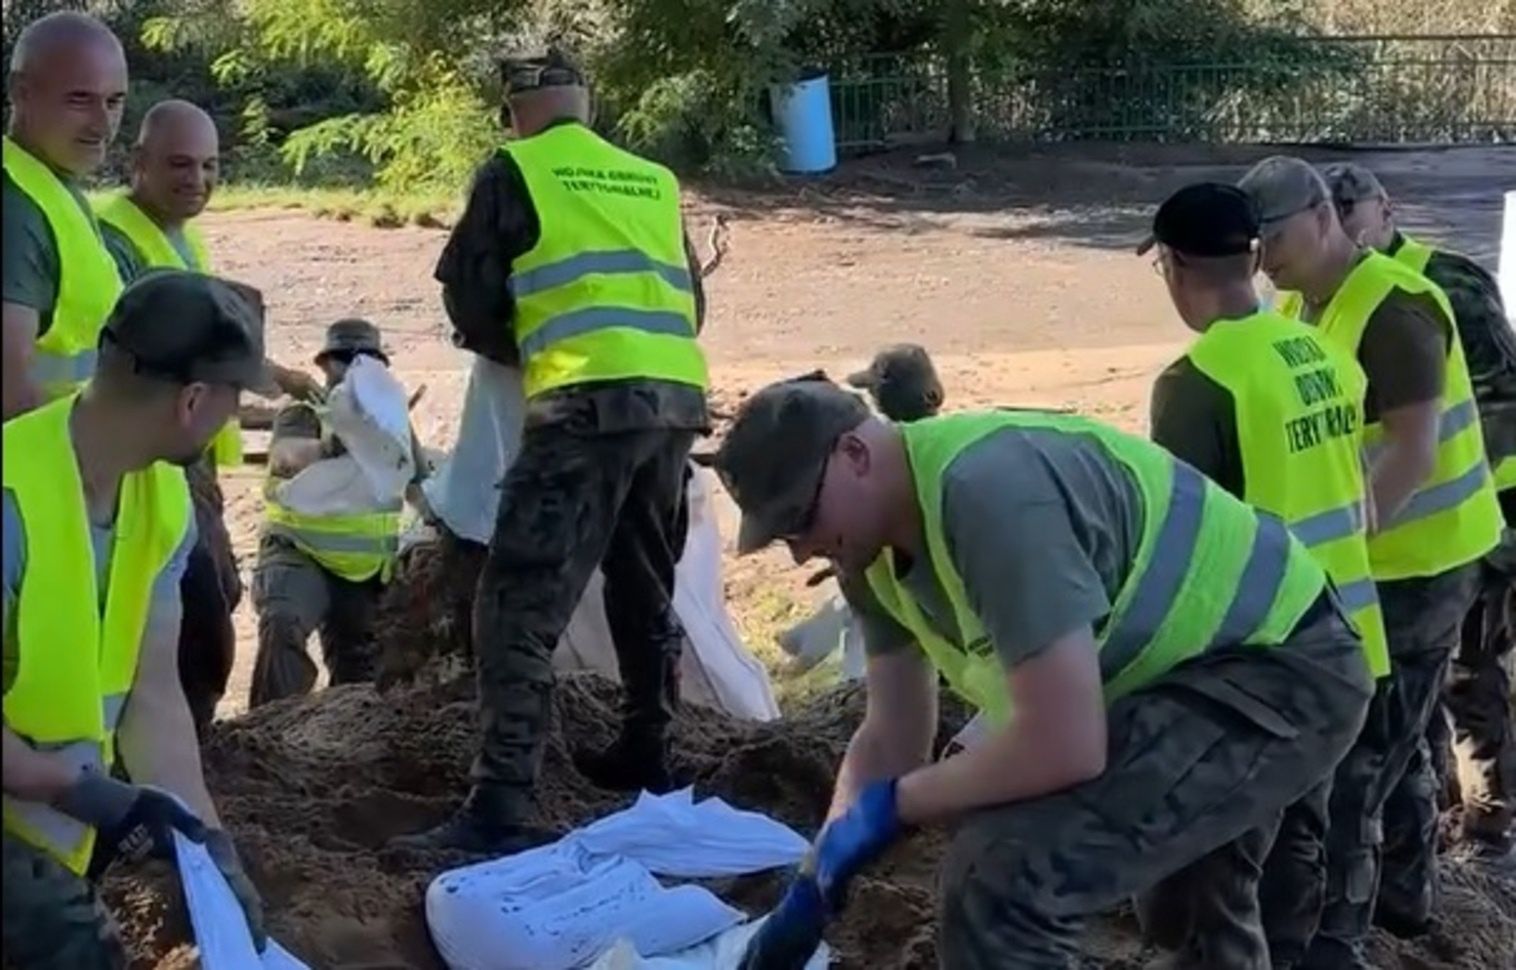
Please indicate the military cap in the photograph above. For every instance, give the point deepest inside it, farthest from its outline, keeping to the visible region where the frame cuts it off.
(902, 382)
(1282, 186)
(189, 327)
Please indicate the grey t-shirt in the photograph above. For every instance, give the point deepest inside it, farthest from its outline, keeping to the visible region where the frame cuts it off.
(30, 254)
(165, 594)
(1042, 527)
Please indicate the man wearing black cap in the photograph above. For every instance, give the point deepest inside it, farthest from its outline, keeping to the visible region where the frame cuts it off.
(1435, 511)
(97, 530)
(1478, 689)
(320, 570)
(571, 263)
(1163, 669)
(1273, 412)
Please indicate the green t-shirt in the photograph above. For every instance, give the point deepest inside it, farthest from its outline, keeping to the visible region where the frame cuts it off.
(1042, 526)
(30, 254)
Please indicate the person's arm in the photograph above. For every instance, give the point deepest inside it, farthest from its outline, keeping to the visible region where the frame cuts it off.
(20, 393)
(30, 260)
(32, 775)
(295, 443)
(898, 727)
(156, 738)
(1056, 739)
(1404, 351)
(498, 225)
(295, 383)
(1195, 418)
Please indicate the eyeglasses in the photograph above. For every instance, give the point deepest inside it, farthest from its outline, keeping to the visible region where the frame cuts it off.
(807, 519)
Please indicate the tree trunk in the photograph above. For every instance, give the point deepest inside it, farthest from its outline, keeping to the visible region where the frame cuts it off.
(957, 38)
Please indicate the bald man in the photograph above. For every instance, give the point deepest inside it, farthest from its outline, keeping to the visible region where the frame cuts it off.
(176, 164)
(67, 88)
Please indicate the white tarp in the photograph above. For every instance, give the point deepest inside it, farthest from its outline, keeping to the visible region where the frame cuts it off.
(367, 411)
(717, 671)
(221, 931)
(593, 894)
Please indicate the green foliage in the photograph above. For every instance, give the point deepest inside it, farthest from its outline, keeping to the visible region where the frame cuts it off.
(418, 119)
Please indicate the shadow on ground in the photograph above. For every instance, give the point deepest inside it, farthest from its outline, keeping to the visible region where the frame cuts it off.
(1102, 196)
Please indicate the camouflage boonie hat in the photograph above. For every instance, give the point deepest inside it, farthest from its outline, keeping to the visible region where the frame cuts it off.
(1282, 186)
(189, 327)
(903, 383)
(532, 70)
(776, 453)
(352, 336)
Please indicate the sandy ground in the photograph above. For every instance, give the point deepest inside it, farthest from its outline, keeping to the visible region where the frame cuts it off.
(1014, 270)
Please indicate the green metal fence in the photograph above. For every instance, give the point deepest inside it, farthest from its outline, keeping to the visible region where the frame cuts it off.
(1359, 89)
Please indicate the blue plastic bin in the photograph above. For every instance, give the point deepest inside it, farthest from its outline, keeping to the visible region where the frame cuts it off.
(803, 114)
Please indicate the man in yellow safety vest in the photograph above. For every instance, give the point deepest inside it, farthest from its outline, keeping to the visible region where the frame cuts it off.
(1272, 412)
(97, 530)
(1478, 691)
(571, 263)
(67, 88)
(1435, 511)
(1162, 668)
(321, 571)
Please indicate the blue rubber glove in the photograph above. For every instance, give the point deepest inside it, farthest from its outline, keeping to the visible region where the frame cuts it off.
(789, 937)
(856, 839)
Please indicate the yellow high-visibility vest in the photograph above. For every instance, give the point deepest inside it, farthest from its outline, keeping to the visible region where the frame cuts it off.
(88, 280)
(1209, 571)
(76, 667)
(1454, 518)
(355, 547)
(157, 251)
(606, 293)
(1299, 413)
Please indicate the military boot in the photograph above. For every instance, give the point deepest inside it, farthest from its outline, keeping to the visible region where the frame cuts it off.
(487, 823)
(636, 761)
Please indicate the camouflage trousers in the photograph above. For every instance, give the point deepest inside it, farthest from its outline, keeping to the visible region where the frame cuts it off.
(54, 920)
(211, 589)
(1478, 700)
(295, 597)
(1389, 764)
(571, 502)
(1202, 757)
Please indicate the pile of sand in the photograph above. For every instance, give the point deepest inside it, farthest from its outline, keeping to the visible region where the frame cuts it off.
(312, 789)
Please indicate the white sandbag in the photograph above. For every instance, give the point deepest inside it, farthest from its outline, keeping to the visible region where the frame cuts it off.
(563, 905)
(722, 952)
(367, 412)
(465, 491)
(831, 628)
(717, 670)
(220, 929)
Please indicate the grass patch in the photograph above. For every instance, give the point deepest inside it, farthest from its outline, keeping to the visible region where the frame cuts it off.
(373, 206)
(760, 615)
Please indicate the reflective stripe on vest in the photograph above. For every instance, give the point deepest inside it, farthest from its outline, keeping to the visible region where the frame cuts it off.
(88, 280)
(354, 547)
(1453, 518)
(1298, 409)
(606, 293)
(156, 251)
(1208, 572)
(70, 701)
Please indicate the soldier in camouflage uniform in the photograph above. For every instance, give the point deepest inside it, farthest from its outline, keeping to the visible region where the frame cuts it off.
(570, 262)
(1477, 695)
(1025, 529)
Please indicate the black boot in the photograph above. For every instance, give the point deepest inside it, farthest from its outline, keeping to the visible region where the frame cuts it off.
(487, 823)
(637, 761)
